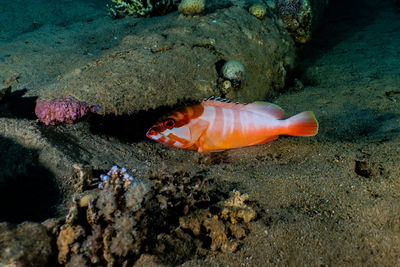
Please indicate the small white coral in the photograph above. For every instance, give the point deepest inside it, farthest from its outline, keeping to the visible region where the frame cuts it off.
(233, 70)
(118, 182)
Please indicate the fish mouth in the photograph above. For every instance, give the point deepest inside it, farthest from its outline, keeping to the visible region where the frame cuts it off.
(150, 133)
(153, 135)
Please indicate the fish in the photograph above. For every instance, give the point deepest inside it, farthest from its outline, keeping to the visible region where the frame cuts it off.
(218, 124)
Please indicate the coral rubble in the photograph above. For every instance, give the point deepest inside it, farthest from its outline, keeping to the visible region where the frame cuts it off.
(223, 229)
(174, 216)
(235, 209)
(106, 225)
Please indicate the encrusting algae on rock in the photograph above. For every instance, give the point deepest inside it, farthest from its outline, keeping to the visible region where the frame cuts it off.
(125, 218)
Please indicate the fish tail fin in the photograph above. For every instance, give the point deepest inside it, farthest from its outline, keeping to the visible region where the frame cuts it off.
(302, 124)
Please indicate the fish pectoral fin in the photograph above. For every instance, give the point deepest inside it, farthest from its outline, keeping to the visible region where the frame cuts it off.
(197, 129)
(263, 141)
(200, 142)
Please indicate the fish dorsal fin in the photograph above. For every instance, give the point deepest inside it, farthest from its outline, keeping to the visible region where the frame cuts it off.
(259, 107)
(222, 102)
(266, 108)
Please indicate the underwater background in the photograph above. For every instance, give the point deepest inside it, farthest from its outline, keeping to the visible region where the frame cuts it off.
(81, 82)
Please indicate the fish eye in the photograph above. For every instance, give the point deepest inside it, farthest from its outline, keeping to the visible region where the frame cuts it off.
(169, 123)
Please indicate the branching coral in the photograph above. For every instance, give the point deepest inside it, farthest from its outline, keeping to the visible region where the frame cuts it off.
(140, 8)
(131, 7)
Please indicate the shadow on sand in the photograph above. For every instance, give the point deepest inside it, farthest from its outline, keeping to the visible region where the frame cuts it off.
(27, 189)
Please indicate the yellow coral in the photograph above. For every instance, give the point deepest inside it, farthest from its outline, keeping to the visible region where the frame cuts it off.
(68, 235)
(191, 7)
(237, 200)
(259, 11)
(235, 208)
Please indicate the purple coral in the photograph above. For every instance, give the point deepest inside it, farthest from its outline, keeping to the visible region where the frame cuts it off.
(63, 110)
(116, 175)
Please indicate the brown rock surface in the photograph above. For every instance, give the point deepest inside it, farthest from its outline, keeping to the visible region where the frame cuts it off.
(24, 244)
(167, 59)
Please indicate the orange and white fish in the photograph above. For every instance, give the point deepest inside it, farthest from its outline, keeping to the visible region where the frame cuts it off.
(216, 125)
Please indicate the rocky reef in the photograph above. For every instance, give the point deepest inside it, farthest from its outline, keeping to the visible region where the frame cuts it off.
(136, 75)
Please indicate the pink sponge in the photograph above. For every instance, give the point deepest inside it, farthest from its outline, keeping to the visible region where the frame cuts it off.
(63, 110)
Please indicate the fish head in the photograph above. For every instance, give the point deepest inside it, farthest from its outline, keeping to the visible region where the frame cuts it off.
(175, 129)
(168, 131)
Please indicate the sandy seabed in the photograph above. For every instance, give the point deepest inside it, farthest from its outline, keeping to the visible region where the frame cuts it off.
(328, 200)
